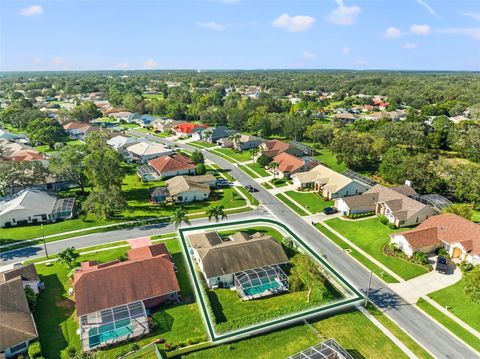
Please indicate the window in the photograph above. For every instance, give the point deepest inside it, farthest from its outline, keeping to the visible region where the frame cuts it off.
(172, 295)
(19, 347)
(416, 220)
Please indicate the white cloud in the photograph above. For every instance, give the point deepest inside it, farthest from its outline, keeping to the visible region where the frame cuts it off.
(59, 61)
(31, 10)
(420, 29)
(410, 45)
(468, 31)
(150, 64)
(392, 33)
(346, 50)
(473, 15)
(344, 15)
(428, 7)
(122, 66)
(297, 23)
(307, 55)
(211, 25)
(360, 62)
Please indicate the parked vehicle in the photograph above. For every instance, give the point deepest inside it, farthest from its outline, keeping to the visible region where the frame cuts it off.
(330, 210)
(251, 188)
(442, 265)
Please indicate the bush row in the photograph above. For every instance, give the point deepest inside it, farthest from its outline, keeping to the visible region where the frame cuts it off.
(360, 215)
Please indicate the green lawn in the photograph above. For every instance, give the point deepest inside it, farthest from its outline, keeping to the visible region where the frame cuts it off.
(451, 325)
(259, 170)
(355, 254)
(250, 197)
(329, 159)
(290, 204)
(352, 330)
(223, 172)
(312, 201)
(249, 171)
(280, 182)
(56, 321)
(139, 208)
(476, 216)
(202, 144)
(238, 156)
(372, 236)
(459, 304)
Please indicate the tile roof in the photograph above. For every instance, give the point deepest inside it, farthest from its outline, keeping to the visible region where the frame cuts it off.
(448, 228)
(325, 177)
(146, 274)
(273, 148)
(146, 148)
(26, 272)
(181, 184)
(169, 163)
(288, 163)
(16, 321)
(189, 127)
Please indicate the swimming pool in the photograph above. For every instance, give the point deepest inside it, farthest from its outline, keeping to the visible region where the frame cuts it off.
(107, 332)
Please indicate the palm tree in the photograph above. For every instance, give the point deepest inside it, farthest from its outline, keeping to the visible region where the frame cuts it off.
(216, 212)
(235, 138)
(68, 256)
(207, 134)
(179, 216)
(254, 152)
(273, 166)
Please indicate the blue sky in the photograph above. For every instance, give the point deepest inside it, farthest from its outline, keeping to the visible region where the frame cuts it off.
(239, 34)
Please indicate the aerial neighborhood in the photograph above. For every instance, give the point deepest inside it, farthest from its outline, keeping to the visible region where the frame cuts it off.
(246, 215)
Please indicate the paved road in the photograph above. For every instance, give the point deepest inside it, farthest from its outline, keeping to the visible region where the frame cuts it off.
(438, 341)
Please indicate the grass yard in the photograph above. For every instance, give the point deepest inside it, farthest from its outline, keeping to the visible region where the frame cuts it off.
(355, 254)
(312, 201)
(223, 172)
(238, 156)
(451, 325)
(329, 159)
(351, 329)
(250, 196)
(290, 204)
(476, 216)
(280, 182)
(372, 236)
(259, 170)
(56, 321)
(454, 297)
(202, 144)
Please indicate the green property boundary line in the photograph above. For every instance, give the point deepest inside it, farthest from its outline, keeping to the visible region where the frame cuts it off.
(272, 324)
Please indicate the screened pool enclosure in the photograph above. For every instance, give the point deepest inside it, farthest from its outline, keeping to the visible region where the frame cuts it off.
(113, 325)
(260, 282)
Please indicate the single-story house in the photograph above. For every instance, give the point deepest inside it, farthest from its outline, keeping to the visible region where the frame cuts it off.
(273, 148)
(143, 151)
(78, 129)
(328, 182)
(233, 261)
(185, 189)
(187, 129)
(32, 206)
(166, 167)
(212, 134)
(459, 236)
(345, 117)
(165, 124)
(28, 275)
(17, 327)
(394, 203)
(112, 299)
(122, 115)
(289, 164)
(119, 142)
(15, 151)
(6, 135)
(245, 142)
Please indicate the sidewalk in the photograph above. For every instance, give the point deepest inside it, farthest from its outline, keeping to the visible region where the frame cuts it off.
(365, 254)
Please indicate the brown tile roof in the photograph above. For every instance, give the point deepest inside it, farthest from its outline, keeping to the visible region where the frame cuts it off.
(419, 238)
(451, 229)
(175, 162)
(105, 286)
(288, 163)
(16, 321)
(273, 148)
(77, 125)
(27, 272)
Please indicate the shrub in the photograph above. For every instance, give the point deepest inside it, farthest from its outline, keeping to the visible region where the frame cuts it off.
(392, 226)
(383, 220)
(35, 350)
(134, 347)
(264, 160)
(443, 252)
(465, 266)
(420, 257)
(31, 298)
(201, 169)
(69, 353)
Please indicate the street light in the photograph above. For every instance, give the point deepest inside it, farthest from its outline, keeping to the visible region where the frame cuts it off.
(44, 243)
(369, 285)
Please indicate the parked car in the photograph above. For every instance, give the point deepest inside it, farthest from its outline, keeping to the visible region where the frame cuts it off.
(251, 188)
(442, 265)
(330, 210)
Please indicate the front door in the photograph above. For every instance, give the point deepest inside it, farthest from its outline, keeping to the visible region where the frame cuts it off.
(456, 252)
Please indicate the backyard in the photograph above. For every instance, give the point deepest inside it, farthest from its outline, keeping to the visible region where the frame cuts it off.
(371, 236)
(312, 201)
(329, 159)
(56, 321)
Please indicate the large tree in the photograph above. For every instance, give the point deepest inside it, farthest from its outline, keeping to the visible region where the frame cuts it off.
(320, 133)
(15, 174)
(69, 164)
(46, 131)
(85, 112)
(472, 284)
(466, 139)
(217, 212)
(179, 216)
(105, 202)
(356, 150)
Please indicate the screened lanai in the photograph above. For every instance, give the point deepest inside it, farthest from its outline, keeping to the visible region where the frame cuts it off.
(328, 349)
(260, 282)
(114, 324)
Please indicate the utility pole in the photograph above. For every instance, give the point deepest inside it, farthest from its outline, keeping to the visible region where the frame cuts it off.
(44, 243)
(368, 290)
